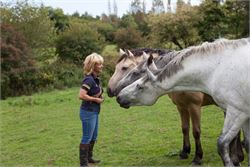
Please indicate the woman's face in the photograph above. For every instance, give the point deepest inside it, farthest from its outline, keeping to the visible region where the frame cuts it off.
(98, 68)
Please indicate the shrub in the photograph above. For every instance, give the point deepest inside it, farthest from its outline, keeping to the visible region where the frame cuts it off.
(128, 38)
(77, 42)
(17, 63)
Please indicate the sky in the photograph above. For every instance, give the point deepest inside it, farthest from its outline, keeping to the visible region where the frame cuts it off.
(95, 7)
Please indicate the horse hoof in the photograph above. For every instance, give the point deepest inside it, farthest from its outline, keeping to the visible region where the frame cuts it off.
(236, 164)
(183, 155)
(196, 162)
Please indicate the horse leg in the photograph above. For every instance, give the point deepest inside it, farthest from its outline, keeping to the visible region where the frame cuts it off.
(246, 132)
(195, 114)
(236, 151)
(185, 130)
(233, 122)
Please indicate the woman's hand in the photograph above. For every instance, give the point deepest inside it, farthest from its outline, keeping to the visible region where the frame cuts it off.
(99, 100)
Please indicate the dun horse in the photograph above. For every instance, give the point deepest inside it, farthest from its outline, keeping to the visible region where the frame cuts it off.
(220, 69)
(131, 66)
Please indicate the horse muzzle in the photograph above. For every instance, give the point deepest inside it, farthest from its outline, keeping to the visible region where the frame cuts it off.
(110, 92)
(123, 103)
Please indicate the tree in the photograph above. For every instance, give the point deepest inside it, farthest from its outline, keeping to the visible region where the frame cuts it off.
(144, 7)
(105, 29)
(61, 21)
(109, 8)
(237, 18)
(33, 22)
(17, 63)
(128, 38)
(157, 7)
(115, 8)
(128, 21)
(169, 6)
(136, 6)
(212, 25)
(77, 42)
(175, 28)
(76, 14)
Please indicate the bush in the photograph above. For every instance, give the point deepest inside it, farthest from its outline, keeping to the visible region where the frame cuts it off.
(17, 63)
(61, 74)
(78, 42)
(128, 38)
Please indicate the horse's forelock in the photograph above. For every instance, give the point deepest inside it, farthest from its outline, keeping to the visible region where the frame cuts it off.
(121, 58)
(139, 52)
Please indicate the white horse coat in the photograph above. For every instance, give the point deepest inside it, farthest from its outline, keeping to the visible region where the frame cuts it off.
(220, 69)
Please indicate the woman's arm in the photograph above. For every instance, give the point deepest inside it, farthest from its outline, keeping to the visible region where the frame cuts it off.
(84, 96)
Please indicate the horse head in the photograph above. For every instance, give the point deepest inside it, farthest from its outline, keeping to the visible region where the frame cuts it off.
(124, 64)
(127, 61)
(143, 91)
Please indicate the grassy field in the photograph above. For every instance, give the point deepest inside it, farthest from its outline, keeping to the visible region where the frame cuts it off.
(45, 130)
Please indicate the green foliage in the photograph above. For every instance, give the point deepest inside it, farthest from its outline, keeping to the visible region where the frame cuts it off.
(177, 28)
(212, 25)
(45, 56)
(61, 21)
(33, 22)
(77, 42)
(128, 38)
(61, 74)
(140, 19)
(237, 18)
(17, 63)
(105, 29)
(128, 21)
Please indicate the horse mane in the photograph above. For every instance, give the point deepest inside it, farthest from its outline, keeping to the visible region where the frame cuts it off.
(139, 52)
(204, 49)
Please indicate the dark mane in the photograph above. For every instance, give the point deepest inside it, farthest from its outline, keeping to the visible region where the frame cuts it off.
(121, 58)
(139, 52)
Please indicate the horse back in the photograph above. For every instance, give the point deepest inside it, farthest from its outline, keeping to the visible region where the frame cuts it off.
(185, 99)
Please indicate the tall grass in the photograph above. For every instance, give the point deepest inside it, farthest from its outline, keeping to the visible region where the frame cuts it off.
(45, 130)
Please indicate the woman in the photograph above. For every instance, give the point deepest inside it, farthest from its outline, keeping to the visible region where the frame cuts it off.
(91, 95)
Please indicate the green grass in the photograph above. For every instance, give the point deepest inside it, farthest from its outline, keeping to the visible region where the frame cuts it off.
(45, 130)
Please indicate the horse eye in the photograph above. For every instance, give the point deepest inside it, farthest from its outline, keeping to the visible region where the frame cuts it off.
(136, 73)
(139, 87)
(124, 68)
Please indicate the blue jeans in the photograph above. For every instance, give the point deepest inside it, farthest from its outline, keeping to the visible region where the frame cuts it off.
(89, 125)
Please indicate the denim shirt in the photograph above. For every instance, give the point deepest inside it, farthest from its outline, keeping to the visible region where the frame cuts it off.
(92, 85)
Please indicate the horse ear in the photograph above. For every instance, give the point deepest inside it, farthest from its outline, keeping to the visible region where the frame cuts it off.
(145, 55)
(151, 63)
(153, 66)
(130, 53)
(150, 60)
(149, 72)
(122, 52)
(151, 76)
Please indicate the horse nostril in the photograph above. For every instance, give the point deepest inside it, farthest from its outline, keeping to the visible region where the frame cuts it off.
(110, 94)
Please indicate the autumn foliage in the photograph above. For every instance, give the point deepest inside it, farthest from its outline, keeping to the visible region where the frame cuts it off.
(17, 64)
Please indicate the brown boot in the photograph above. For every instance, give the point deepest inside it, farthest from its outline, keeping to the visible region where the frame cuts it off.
(90, 155)
(83, 154)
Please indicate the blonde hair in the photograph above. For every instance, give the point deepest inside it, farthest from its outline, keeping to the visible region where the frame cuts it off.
(90, 61)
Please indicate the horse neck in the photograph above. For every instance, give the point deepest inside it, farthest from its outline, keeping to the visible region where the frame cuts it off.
(162, 60)
(194, 76)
